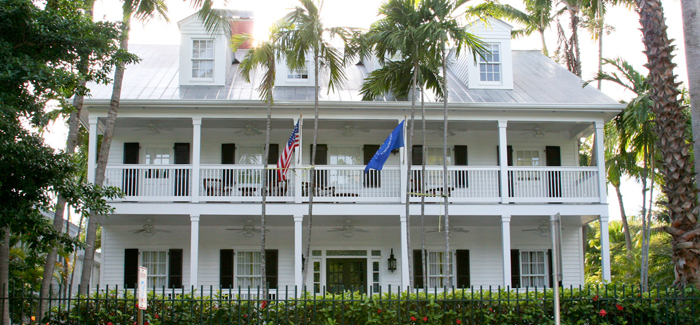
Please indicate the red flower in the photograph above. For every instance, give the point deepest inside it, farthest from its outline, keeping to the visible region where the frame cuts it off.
(491, 309)
(145, 323)
(379, 311)
(602, 312)
(425, 319)
(110, 323)
(156, 316)
(413, 319)
(618, 307)
(595, 298)
(263, 304)
(245, 316)
(459, 321)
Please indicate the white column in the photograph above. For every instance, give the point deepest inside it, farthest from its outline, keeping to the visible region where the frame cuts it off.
(196, 153)
(503, 159)
(405, 275)
(604, 249)
(505, 237)
(298, 275)
(600, 160)
(403, 165)
(298, 172)
(92, 150)
(194, 249)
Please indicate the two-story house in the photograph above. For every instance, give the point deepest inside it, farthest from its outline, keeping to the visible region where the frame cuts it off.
(188, 154)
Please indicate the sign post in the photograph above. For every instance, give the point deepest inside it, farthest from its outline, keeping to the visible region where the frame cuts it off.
(142, 294)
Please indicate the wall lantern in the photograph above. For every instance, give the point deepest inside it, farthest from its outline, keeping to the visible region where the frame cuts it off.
(392, 262)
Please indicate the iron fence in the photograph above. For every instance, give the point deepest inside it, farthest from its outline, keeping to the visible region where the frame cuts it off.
(610, 304)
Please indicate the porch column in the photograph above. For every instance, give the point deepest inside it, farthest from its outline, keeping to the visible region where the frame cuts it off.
(503, 160)
(196, 150)
(505, 237)
(600, 161)
(298, 172)
(403, 165)
(194, 249)
(92, 150)
(405, 275)
(604, 249)
(298, 275)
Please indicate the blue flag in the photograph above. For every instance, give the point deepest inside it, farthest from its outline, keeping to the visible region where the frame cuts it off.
(394, 141)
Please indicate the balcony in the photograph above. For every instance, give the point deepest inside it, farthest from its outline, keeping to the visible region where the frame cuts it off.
(243, 183)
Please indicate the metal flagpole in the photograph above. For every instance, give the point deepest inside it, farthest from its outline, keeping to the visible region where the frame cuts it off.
(555, 230)
(301, 126)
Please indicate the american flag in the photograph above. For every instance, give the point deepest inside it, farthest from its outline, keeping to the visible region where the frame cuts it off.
(286, 157)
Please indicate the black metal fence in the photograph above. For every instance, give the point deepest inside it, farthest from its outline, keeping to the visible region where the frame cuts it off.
(609, 304)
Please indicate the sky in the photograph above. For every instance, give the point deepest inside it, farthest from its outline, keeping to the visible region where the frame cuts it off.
(624, 41)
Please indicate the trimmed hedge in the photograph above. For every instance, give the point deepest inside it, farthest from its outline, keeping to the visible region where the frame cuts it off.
(592, 305)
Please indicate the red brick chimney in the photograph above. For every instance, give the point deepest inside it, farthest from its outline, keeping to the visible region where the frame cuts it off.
(243, 25)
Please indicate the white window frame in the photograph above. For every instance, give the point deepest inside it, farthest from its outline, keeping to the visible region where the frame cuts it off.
(434, 157)
(493, 61)
(353, 152)
(437, 279)
(299, 74)
(526, 276)
(238, 268)
(525, 158)
(250, 153)
(152, 277)
(197, 61)
(161, 154)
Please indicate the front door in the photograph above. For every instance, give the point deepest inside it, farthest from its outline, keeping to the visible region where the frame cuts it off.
(346, 274)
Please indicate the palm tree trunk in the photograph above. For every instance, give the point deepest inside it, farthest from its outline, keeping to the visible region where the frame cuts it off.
(601, 28)
(91, 234)
(644, 272)
(75, 252)
(576, 51)
(675, 152)
(265, 188)
(691, 32)
(545, 51)
(409, 180)
(312, 181)
(5, 275)
(625, 224)
(424, 262)
(447, 261)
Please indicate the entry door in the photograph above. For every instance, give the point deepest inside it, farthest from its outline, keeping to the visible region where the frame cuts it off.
(346, 274)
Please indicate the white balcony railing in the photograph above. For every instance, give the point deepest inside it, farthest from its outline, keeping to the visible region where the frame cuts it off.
(243, 183)
(151, 183)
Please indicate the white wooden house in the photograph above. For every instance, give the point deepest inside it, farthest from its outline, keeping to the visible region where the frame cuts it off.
(188, 153)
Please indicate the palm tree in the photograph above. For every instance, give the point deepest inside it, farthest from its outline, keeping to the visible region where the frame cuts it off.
(264, 56)
(303, 33)
(537, 16)
(691, 33)
(570, 46)
(142, 10)
(679, 187)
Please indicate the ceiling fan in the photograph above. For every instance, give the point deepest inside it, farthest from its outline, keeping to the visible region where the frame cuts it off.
(450, 131)
(248, 230)
(348, 229)
(149, 229)
(543, 229)
(250, 130)
(452, 230)
(153, 128)
(537, 132)
(348, 130)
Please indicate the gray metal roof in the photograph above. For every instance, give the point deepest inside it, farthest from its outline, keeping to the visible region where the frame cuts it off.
(537, 80)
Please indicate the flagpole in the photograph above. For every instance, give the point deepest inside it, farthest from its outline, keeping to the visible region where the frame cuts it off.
(301, 126)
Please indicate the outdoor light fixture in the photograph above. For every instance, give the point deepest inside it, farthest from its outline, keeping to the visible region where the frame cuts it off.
(392, 262)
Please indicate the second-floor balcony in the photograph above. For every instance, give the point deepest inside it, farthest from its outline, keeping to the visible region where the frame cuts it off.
(349, 183)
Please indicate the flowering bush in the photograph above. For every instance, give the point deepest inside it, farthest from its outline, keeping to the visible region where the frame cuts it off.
(459, 307)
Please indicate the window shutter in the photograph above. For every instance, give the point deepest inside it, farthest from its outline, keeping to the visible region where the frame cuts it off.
(551, 269)
(321, 159)
(463, 274)
(182, 176)
(131, 267)
(418, 268)
(228, 153)
(130, 177)
(509, 157)
(461, 159)
(417, 155)
(271, 267)
(226, 268)
(515, 268)
(373, 177)
(553, 156)
(131, 153)
(274, 154)
(175, 268)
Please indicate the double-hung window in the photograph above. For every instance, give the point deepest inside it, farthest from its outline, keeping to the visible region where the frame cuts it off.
(435, 156)
(436, 269)
(248, 269)
(528, 158)
(533, 272)
(156, 263)
(203, 59)
(490, 64)
(299, 74)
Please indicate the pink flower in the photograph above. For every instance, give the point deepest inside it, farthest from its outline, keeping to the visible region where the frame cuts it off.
(619, 307)
(602, 312)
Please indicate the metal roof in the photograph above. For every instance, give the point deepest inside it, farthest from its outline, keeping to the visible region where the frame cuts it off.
(537, 80)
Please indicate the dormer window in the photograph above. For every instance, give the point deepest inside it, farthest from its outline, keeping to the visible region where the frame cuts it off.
(203, 59)
(490, 64)
(299, 74)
